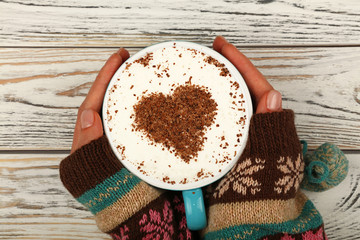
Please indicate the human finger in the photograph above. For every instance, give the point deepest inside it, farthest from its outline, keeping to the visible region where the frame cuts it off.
(97, 91)
(94, 99)
(90, 129)
(259, 87)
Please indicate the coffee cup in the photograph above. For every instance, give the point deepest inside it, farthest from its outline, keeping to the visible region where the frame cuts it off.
(177, 116)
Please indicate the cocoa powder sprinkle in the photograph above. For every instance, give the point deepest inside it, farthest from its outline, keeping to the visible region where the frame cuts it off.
(183, 181)
(178, 121)
(201, 173)
(128, 65)
(144, 60)
(223, 70)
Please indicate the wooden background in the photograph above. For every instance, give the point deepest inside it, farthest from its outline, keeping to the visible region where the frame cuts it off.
(51, 51)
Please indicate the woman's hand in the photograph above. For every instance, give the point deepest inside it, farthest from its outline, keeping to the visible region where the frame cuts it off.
(88, 124)
(119, 200)
(266, 98)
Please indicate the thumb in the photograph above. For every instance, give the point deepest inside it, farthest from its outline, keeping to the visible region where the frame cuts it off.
(270, 102)
(91, 127)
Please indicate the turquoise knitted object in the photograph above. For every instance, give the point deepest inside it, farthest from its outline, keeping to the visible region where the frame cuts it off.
(325, 168)
(109, 191)
(308, 219)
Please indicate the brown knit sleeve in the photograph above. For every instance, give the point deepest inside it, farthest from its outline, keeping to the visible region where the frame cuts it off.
(123, 205)
(261, 194)
(272, 148)
(88, 166)
(273, 135)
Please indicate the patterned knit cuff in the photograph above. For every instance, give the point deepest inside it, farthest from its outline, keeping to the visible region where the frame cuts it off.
(270, 168)
(261, 193)
(274, 145)
(96, 178)
(88, 166)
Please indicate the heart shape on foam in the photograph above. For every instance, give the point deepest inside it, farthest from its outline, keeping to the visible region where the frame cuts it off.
(177, 120)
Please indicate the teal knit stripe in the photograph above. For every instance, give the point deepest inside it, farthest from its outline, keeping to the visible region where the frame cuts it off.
(109, 191)
(308, 219)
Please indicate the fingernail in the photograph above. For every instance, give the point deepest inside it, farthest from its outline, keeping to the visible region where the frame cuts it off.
(274, 100)
(87, 118)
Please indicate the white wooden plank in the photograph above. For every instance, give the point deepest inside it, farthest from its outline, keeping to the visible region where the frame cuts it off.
(40, 90)
(35, 205)
(139, 23)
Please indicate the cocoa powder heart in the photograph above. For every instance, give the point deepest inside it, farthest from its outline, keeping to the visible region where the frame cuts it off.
(177, 120)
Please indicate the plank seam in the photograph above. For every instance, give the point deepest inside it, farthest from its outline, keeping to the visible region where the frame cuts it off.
(240, 46)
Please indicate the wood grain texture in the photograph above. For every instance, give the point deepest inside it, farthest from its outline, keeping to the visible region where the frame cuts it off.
(41, 89)
(35, 205)
(138, 23)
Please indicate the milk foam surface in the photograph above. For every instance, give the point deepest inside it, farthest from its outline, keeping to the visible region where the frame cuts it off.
(164, 70)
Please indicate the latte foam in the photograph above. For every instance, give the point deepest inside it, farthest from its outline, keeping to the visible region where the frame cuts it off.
(156, 77)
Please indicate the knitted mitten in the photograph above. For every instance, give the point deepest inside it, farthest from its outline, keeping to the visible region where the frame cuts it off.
(260, 198)
(124, 206)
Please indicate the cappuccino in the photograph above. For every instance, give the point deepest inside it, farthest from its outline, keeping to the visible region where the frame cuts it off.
(176, 114)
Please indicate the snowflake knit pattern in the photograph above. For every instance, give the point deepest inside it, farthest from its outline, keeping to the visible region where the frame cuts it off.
(258, 199)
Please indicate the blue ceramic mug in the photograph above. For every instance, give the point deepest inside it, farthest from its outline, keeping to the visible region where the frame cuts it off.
(192, 192)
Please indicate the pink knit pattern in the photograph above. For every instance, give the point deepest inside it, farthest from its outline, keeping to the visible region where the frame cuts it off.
(157, 226)
(123, 234)
(309, 235)
(287, 237)
(180, 209)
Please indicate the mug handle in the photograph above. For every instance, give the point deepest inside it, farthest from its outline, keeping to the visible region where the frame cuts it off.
(194, 209)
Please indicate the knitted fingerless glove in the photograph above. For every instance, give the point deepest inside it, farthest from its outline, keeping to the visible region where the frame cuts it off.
(260, 198)
(124, 206)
